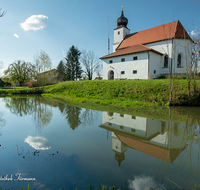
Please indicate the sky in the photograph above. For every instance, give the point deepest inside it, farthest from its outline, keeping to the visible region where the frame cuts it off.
(53, 26)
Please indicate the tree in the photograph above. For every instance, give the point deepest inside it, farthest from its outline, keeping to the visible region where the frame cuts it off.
(44, 64)
(45, 61)
(3, 13)
(61, 67)
(73, 66)
(19, 71)
(90, 63)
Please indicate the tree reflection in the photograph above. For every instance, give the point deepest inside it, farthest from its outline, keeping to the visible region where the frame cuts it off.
(2, 122)
(73, 116)
(20, 106)
(37, 106)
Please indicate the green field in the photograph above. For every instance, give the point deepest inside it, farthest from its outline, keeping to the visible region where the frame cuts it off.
(123, 93)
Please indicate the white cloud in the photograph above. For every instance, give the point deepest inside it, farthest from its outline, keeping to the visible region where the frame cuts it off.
(142, 183)
(16, 36)
(38, 143)
(34, 22)
(193, 33)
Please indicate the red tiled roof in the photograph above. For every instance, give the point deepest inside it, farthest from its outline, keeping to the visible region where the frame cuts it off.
(133, 43)
(168, 155)
(130, 50)
(155, 34)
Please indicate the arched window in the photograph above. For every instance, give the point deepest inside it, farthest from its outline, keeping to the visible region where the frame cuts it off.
(179, 60)
(166, 59)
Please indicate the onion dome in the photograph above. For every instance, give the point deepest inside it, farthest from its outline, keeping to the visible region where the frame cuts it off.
(122, 20)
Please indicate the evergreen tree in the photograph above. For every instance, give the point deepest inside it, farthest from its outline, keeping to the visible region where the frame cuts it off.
(73, 66)
(61, 67)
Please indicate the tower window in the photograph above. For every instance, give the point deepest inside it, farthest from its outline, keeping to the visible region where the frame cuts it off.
(166, 58)
(179, 60)
(110, 61)
(118, 32)
(154, 71)
(134, 71)
(122, 72)
(122, 59)
(135, 58)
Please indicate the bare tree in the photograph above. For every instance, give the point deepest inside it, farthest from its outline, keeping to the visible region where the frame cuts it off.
(90, 63)
(2, 13)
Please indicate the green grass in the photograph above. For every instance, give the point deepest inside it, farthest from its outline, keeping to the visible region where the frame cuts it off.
(122, 93)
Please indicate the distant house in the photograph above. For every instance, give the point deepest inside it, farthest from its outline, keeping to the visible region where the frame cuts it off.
(52, 76)
(147, 54)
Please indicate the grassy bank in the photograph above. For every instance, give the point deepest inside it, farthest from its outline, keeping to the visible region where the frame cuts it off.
(123, 93)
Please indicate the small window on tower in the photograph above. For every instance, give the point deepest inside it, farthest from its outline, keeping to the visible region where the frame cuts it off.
(135, 58)
(122, 59)
(118, 32)
(110, 61)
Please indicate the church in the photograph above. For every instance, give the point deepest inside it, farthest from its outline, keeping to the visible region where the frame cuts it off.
(147, 54)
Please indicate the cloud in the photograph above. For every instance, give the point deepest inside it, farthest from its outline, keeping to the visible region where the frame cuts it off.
(38, 143)
(34, 22)
(16, 36)
(142, 183)
(193, 33)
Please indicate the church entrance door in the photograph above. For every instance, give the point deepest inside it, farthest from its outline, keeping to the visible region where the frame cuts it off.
(110, 75)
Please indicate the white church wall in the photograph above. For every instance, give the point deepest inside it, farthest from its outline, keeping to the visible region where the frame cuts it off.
(125, 123)
(182, 47)
(154, 65)
(140, 65)
(172, 137)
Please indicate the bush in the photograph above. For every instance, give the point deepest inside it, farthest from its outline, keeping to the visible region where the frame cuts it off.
(32, 84)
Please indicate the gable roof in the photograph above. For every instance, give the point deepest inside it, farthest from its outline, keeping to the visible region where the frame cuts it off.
(159, 33)
(129, 50)
(163, 32)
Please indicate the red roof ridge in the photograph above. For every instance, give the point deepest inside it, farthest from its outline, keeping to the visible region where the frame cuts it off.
(158, 33)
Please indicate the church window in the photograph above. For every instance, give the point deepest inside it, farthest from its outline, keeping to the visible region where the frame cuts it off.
(122, 72)
(154, 71)
(135, 58)
(133, 117)
(121, 127)
(122, 59)
(166, 59)
(132, 130)
(179, 60)
(134, 71)
(121, 115)
(110, 61)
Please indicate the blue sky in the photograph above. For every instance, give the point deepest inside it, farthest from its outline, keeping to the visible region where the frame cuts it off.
(82, 23)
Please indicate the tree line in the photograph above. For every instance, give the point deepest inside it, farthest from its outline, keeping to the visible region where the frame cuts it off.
(76, 65)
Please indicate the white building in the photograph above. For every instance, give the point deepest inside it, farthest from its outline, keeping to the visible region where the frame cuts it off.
(149, 53)
(152, 137)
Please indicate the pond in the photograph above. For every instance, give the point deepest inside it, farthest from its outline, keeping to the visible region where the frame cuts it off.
(51, 145)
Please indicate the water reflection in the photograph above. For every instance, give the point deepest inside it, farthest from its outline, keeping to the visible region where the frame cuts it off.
(164, 140)
(41, 110)
(38, 143)
(72, 114)
(2, 122)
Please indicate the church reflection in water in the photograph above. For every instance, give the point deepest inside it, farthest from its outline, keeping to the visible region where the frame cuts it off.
(164, 140)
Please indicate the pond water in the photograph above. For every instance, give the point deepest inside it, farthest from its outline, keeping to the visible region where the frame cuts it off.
(51, 145)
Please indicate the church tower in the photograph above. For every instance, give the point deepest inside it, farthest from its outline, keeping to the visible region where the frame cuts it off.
(121, 31)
